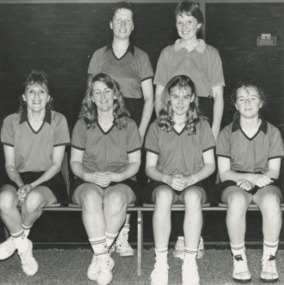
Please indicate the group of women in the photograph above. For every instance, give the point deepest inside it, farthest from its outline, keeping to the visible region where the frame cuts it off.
(106, 147)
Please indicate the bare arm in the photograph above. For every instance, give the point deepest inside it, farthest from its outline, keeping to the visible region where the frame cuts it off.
(10, 166)
(147, 89)
(158, 99)
(218, 109)
(206, 171)
(259, 180)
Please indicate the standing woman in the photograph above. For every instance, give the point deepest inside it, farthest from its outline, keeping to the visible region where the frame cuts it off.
(180, 158)
(131, 68)
(249, 154)
(105, 156)
(34, 143)
(201, 62)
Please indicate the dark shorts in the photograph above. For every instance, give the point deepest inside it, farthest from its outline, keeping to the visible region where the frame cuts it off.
(129, 182)
(220, 187)
(205, 184)
(56, 184)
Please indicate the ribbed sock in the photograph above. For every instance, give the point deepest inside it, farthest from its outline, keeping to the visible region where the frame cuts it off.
(99, 245)
(238, 249)
(269, 248)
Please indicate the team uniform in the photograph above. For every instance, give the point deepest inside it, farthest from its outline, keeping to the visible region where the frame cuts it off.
(249, 155)
(106, 151)
(203, 65)
(179, 153)
(34, 149)
(129, 71)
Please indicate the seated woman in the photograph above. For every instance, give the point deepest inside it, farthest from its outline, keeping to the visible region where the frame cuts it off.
(249, 154)
(180, 156)
(105, 156)
(34, 142)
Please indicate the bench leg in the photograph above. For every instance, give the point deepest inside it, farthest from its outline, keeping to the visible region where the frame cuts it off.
(139, 241)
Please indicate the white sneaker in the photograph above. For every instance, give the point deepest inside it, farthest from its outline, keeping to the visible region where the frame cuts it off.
(160, 274)
(269, 271)
(179, 248)
(29, 264)
(190, 275)
(106, 265)
(122, 245)
(241, 271)
(93, 269)
(7, 248)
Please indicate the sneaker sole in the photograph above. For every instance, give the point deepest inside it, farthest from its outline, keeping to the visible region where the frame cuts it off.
(269, 280)
(242, 280)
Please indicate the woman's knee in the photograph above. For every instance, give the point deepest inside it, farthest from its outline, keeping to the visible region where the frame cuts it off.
(8, 199)
(163, 195)
(89, 198)
(193, 196)
(237, 200)
(270, 203)
(33, 202)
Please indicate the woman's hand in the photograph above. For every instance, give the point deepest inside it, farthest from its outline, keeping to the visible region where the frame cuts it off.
(259, 180)
(23, 191)
(245, 184)
(177, 182)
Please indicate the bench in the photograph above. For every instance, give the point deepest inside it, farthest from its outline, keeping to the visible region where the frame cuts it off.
(131, 208)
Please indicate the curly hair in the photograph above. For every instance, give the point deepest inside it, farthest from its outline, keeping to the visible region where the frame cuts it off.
(89, 112)
(165, 120)
(36, 77)
(246, 84)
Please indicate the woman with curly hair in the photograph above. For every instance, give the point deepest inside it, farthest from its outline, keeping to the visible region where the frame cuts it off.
(34, 142)
(180, 156)
(105, 155)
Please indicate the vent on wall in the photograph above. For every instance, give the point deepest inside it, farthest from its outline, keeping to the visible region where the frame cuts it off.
(266, 40)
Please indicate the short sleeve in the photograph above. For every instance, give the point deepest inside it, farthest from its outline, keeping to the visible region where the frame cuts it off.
(61, 136)
(96, 62)
(223, 143)
(152, 140)
(79, 136)
(161, 77)
(7, 131)
(207, 139)
(217, 78)
(146, 67)
(133, 140)
(275, 144)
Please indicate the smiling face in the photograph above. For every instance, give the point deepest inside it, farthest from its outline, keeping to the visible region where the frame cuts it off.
(248, 102)
(180, 99)
(103, 97)
(122, 24)
(187, 26)
(36, 97)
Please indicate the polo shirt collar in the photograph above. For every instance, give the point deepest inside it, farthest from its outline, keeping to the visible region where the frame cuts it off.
(237, 126)
(130, 48)
(200, 47)
(24, 116)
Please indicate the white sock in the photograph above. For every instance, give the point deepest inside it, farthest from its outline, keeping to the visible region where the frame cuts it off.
(99, 245)
(238, 249)
(190, 253)
(161, 254)
(269, 248)
(19, 239)
(26, 229)
(110, 239)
